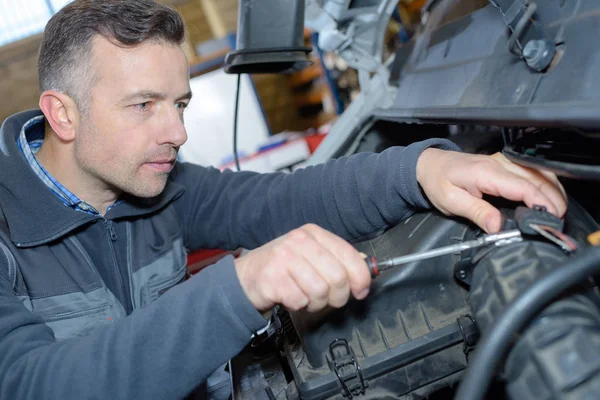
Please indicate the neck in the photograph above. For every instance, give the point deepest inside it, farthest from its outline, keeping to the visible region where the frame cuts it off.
(58, 158)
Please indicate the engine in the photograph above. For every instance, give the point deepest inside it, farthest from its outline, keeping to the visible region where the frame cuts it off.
(470, 78)
(412, 337)
(407, 334)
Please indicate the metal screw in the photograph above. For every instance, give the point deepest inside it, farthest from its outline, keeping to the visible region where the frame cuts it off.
(538, 54)
(462, 274)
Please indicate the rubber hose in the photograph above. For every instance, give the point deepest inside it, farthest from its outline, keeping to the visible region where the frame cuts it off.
(494, 346)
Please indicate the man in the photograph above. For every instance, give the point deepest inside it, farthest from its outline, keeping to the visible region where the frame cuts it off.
(96, 216)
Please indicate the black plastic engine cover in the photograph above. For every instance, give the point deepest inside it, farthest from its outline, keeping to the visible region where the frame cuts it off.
(405, 334)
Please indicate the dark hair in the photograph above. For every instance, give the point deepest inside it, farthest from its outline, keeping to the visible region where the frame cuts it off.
(65, 52)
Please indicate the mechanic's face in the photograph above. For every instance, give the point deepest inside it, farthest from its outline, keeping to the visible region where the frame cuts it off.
(129, 139)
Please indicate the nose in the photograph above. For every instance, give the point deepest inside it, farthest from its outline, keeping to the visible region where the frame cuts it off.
(174, 132)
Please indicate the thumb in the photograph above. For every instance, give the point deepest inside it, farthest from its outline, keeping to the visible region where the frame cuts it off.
(482, 213)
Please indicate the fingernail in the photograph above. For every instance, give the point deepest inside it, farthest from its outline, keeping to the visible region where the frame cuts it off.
(363, 294)
(489, 224)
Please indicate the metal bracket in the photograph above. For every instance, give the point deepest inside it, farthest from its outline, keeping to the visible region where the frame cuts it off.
(528, 39)
(346, 368)
(463, 271)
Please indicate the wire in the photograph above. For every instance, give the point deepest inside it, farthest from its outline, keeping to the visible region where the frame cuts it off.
(493, 347)
(560, 235)
(235, 123)
(555, 236)
(505, 136)
(517, 32)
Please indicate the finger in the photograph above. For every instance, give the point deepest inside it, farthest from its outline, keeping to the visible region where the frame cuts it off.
(329, 269)
(551, 176)
(519, 189)
(355, 266)
(563, 204)
(278, 284)
(546, 182)
(482, 213)
(556, 203)
(311, 283)
(552, 190)
(503, 183)
(290, 294)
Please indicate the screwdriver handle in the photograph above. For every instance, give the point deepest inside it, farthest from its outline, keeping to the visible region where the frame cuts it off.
(373, 268)
(372, 264)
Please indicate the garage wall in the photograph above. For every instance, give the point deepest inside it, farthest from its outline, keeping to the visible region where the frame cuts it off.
(18, 72)
(18, 68)
(273, 90)
(195, 20)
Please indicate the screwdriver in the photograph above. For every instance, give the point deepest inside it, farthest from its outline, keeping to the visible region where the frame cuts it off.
(377, 267)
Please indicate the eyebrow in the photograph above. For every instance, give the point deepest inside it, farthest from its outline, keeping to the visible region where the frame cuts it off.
(187, 96)
(152, 95)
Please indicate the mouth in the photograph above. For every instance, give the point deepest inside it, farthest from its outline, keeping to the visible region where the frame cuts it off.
(162, 165)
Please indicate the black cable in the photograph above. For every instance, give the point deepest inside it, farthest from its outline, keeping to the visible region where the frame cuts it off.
(235, 123)
(504, 136)
(494, 346)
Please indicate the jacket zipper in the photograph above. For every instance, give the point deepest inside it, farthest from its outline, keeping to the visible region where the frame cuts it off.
(134, 304)
(111, 230)
(112, 237)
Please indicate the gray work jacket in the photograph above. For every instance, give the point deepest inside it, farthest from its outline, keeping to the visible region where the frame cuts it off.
(98, 306)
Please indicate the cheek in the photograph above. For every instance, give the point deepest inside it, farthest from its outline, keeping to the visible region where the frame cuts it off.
(102, 151)
(120, 155)
(113, 141)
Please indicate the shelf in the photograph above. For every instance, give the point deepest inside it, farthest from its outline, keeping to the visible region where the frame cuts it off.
(312, 97)
(202, 64)
(318, 120)
(306, 75)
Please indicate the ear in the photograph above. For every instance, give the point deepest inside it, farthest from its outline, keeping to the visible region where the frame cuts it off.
(61, 113)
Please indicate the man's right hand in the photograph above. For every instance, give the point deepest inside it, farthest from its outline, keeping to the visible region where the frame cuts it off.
(307, 268)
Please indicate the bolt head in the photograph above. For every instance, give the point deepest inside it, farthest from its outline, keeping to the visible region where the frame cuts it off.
(533, 48)
(537, 54)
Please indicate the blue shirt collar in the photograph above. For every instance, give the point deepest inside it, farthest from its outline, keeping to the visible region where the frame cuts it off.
(29, 142)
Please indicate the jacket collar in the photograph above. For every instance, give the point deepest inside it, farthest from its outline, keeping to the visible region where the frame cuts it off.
(36, 216)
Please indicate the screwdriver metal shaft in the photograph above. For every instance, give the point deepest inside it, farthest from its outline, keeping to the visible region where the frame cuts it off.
(377, 266)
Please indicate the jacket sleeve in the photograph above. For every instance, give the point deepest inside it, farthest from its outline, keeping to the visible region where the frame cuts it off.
(352, 196)
(163, 351)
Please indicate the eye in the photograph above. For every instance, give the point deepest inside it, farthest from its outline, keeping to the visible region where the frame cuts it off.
(145, 106)
(181, 106)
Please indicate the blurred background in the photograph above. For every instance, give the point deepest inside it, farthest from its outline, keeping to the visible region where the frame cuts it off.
(274, 109)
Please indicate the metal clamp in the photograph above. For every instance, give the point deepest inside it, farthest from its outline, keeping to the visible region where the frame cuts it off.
(346, 369)
(524, 21)
(528, 39)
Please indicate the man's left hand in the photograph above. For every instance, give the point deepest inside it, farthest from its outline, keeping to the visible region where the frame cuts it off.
(456, 182)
